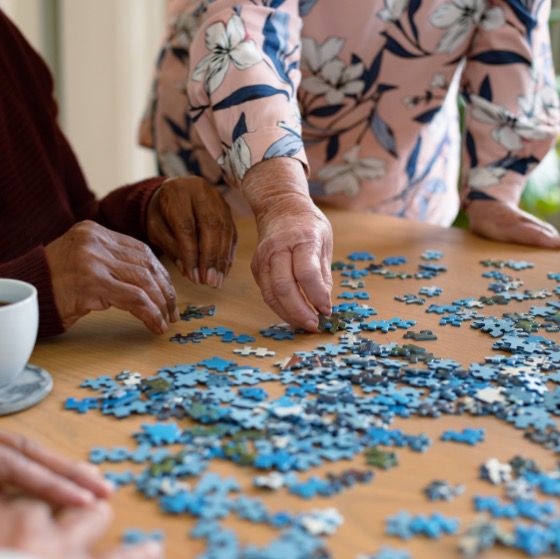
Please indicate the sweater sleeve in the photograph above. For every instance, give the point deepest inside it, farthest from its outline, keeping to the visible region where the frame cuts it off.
(243, 81)
(512, 115)
(122, 210)
(33, 268)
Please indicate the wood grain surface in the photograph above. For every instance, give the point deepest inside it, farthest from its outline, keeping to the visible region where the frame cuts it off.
(112, 341)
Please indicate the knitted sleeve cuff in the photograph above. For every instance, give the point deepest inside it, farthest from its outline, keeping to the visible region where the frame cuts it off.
(33, 268)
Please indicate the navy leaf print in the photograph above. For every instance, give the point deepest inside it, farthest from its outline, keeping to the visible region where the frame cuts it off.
(239, 129)
(412, 162)
(427, 116)
(485, 90)
(286, 146)
(497, 57)
(383, 87)
(412, 9)
(332, 147)
(248, 93)
(181, 54)
(372, 73)
(384, 134)
(276, 3)
(471, 149)
(276, 36)
(520, 165)
(176, 129)
(355, 59)
(305, 6)
(327, 110)
(523, 15)
(396, 48)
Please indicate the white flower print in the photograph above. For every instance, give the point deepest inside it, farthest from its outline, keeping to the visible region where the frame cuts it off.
(226, 44)
(459, 17)
(345, 178)
(510, 130)
(393, 10)
(314, 55)
(236, 159)
(335, 80)
(439, 81)
(482, 177)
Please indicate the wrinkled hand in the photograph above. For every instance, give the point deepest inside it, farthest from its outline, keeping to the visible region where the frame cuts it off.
(191, 222)
(31, 526)
(505, 222)
(35, 470)
(292, 263)
(93, 268)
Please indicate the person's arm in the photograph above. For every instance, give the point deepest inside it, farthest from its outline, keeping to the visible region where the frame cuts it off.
(511, 119)
(244, 75)
(242, 90)
(13, 554)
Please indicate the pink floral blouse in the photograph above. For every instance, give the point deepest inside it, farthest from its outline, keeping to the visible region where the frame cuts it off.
(364, 93)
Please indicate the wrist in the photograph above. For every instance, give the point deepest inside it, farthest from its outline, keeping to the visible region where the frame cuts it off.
(275, 186)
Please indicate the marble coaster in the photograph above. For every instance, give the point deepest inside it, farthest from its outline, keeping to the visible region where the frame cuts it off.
(31, 386)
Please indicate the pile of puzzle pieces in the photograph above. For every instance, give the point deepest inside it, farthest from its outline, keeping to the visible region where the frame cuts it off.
(339, 402)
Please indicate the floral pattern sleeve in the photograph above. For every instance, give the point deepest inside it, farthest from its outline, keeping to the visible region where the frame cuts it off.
(508, 84)
(243, 82)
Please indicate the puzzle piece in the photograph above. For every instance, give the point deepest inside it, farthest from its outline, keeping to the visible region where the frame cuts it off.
(255, 351)
(466, 436)
(422, 336)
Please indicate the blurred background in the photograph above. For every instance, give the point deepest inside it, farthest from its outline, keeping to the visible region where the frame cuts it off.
(101, 53)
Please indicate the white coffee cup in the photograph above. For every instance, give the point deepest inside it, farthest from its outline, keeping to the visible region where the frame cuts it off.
(19, 323)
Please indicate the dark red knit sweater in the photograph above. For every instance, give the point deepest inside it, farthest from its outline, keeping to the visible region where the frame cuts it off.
(42, 189)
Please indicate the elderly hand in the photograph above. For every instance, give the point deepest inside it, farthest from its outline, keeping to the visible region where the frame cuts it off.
(505, 222)
(292, 263)
(93, 268)
(33, 469)
(191, 222)
(30, 526)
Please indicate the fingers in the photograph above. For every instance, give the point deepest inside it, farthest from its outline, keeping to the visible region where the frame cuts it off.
(216, 232)
(82, 474)
(82, 527)
(200, 225)
(308, 273)
(288, 294)
(535, 234)
(182, 223)
(263, 278)
(153, 282)
(148, 550)
(32, 477)
(134, 299)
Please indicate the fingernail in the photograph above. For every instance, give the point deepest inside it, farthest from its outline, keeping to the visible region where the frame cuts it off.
(87, 497)
(212, 277)
(220, 279)
(163, 325)
(180, 267)
(110, 486)
(311, 325)
(153, 549)
(196, 275)
(176, 316)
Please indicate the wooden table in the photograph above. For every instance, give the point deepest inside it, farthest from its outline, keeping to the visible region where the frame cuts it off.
(108, 342)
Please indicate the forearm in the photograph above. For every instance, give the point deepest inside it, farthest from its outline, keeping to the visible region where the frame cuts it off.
(14, 554)
(271, 187)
